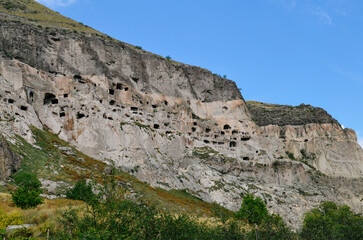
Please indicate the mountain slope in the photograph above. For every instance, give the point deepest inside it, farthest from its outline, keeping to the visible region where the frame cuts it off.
(169, 124)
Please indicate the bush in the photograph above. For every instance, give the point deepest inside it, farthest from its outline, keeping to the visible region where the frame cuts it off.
(290, 155)
(253, 209)
(274, 228)
(333, 222)
(28, 193)
(115, 218)
(82, 191)
(12, 218)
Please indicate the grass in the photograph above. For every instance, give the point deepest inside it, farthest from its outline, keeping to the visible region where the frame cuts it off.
(45, 216)
(31, 11)
(206, 152)
(140, 125)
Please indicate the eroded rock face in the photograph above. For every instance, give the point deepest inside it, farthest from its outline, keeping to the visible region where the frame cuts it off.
(169, 124)
(53, 50)
(9, 161)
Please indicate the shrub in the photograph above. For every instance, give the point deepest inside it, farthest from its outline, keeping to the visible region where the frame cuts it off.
(330, 221)
(168, 58)
(274, 228)
(12, 218)
(115, 218)
(253, 209)
(82, 191)
(290, 155)
(28, 193)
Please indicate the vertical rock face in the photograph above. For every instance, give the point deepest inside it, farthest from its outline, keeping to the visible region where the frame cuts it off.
(170, 124)
(75, 54)
(9, 162)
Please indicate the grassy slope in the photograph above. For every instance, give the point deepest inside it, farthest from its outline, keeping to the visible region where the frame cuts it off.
(50, 162)
(31, 11)
(265, 113)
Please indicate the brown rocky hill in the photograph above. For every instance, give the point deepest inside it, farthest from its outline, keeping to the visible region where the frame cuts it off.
(264, 114)
(169, 124)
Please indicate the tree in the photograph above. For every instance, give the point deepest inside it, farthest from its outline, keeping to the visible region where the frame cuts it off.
(253, 209)
(333, 222)
(28, 193)
(82, 191)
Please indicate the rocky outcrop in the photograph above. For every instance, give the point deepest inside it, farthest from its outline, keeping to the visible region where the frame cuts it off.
(172, 125)
(9, 161)
(282, 115)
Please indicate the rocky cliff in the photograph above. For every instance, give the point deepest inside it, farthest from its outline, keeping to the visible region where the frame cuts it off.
(171, 125)
(9, 161)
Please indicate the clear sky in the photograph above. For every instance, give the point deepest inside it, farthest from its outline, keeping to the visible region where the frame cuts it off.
(277, 51)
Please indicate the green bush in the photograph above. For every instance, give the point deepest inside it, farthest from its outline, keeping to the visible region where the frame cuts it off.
(28, 193)
(82, 191)
(332, 222)
(290, 155)
(253, 209)
(115, 218)
(274, 228)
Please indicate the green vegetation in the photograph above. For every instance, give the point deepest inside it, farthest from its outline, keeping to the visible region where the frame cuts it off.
(332, 222)
(168, 58)
(253, 209)
(82, 191)
(138, 47)
(264, 114)
(11, 218)
(113, 217)
(31, 11)
(290, 155)
(28, 193)
(140, 125)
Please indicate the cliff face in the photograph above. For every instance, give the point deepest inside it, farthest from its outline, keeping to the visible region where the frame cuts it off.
(169, 124)
(9, 161)
(70, 53)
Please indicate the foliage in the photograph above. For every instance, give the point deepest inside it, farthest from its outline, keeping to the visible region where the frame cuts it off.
(274, 228)
(253, 209)
(290, 155)
(12, 218)
(34, 12)
(20, 234)
(28, 193)
(168, 58)
(82, 191)
(116, 218)
(333, 222)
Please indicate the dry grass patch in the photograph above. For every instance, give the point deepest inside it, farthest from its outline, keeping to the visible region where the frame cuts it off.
(45, 216)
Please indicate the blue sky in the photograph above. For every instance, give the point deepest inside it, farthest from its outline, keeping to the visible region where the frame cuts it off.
(277, 51)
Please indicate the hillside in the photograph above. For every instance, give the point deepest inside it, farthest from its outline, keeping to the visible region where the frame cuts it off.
(264, 114)
(74, 102)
